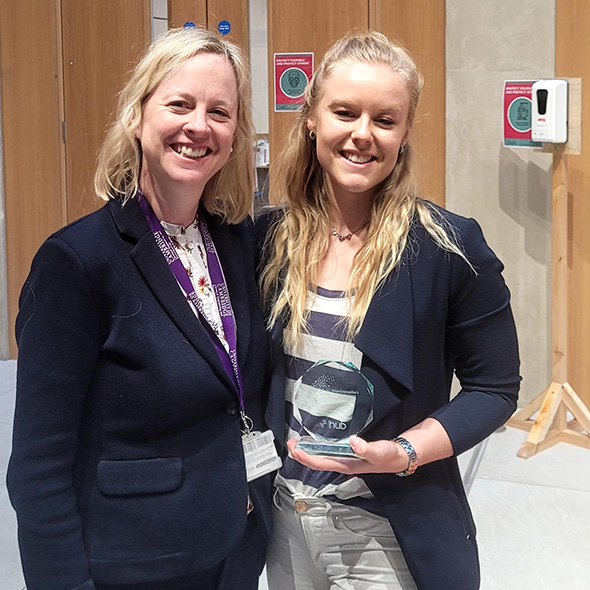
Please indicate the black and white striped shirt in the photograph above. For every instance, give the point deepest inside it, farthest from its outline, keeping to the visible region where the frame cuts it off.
(324, 340)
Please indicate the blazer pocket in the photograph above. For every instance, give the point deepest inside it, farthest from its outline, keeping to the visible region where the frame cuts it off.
(141, 476)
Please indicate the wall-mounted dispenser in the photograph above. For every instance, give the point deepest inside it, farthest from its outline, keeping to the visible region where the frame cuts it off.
(550, 117)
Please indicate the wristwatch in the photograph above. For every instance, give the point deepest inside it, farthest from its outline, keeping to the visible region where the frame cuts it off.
(412, 456)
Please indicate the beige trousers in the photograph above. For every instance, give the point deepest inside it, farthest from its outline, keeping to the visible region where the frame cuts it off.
(320, 545)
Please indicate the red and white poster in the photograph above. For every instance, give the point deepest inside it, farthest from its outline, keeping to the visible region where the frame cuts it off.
(518, 107)
(292, 72)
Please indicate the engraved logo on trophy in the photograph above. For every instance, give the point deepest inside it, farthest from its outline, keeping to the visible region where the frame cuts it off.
(332, 401)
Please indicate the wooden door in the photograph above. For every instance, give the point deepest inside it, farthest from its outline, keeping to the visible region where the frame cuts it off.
(235, 12)
(62, 61)
(420, 26)
(102, 41)
(210, 13)
(306, 26)
(182, 11)
(31, 136)
(311, 26)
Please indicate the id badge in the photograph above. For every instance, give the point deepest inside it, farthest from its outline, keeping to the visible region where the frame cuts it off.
(260, 454)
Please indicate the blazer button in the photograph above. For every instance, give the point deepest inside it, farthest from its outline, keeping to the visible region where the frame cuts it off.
(231, 408)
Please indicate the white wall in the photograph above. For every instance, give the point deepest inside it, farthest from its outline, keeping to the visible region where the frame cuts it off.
(507, 190)
(259, 65)
(159, 17)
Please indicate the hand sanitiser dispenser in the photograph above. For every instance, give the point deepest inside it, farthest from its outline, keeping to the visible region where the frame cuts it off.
(549, 111)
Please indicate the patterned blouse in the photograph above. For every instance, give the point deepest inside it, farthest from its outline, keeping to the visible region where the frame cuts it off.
(188, 243)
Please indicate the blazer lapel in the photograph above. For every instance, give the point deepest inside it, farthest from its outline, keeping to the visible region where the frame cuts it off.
(151, 264)
(387, 334)
(275, 408)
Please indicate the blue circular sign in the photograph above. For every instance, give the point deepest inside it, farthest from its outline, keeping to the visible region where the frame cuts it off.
(189, 24)
(224, 27)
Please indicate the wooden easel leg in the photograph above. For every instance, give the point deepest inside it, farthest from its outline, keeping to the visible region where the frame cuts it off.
(576, 406)
(540, 427)
(521, 419)
(551, 425)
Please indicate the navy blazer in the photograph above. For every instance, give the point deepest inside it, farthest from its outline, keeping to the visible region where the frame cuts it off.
(432, 317)
(127, 463)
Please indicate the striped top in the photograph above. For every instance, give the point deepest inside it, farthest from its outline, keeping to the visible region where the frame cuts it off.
(324, 340)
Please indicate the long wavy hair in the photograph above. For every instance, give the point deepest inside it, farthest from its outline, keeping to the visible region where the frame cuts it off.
(298, 242)
(229, 192)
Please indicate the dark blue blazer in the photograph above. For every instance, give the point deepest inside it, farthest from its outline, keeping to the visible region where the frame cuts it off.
(432, 317)
(127, 463)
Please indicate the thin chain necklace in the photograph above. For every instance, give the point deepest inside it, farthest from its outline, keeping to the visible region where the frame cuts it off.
(342, 237)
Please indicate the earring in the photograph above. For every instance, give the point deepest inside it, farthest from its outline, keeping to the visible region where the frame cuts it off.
(231, 149)
(402, 149)
(312, 135)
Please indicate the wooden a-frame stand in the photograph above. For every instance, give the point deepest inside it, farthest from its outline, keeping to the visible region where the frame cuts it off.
(551, 425)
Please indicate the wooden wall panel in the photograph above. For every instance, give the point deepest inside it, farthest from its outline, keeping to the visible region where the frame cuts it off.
(420, 26)
(306, 26)
(209, 12)
(572, 58)
(102, 41)
(31, 132)
(181, 11)
(237, 14)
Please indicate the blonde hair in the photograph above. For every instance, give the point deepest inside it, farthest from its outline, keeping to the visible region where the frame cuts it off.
(299, 240)
(229, 192)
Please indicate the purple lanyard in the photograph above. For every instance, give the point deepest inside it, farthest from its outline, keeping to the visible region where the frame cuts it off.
(229, 360)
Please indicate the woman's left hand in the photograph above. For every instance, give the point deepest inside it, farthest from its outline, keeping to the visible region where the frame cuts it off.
(382, 456)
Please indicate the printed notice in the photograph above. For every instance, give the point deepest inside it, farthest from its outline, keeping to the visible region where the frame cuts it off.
(292, 74)
(518, 108)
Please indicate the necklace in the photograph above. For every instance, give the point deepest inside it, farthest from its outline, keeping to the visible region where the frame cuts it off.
(342, 237)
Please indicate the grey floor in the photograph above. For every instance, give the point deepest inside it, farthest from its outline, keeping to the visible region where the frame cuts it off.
(533, 516)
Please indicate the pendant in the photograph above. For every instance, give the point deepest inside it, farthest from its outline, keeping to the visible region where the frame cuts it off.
(341, 237)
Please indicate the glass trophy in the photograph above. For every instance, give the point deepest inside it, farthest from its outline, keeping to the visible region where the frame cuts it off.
(332, 401)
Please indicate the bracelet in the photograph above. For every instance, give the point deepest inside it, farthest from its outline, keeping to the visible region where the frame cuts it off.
(412, 456)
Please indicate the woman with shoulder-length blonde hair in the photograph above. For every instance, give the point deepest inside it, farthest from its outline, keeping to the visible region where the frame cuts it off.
(375, 297)
(142, 364)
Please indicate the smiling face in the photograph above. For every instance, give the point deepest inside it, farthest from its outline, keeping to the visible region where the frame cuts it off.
(186, 132)
(360, 121)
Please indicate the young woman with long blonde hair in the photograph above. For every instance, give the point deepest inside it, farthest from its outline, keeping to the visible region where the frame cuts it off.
(358, 270)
